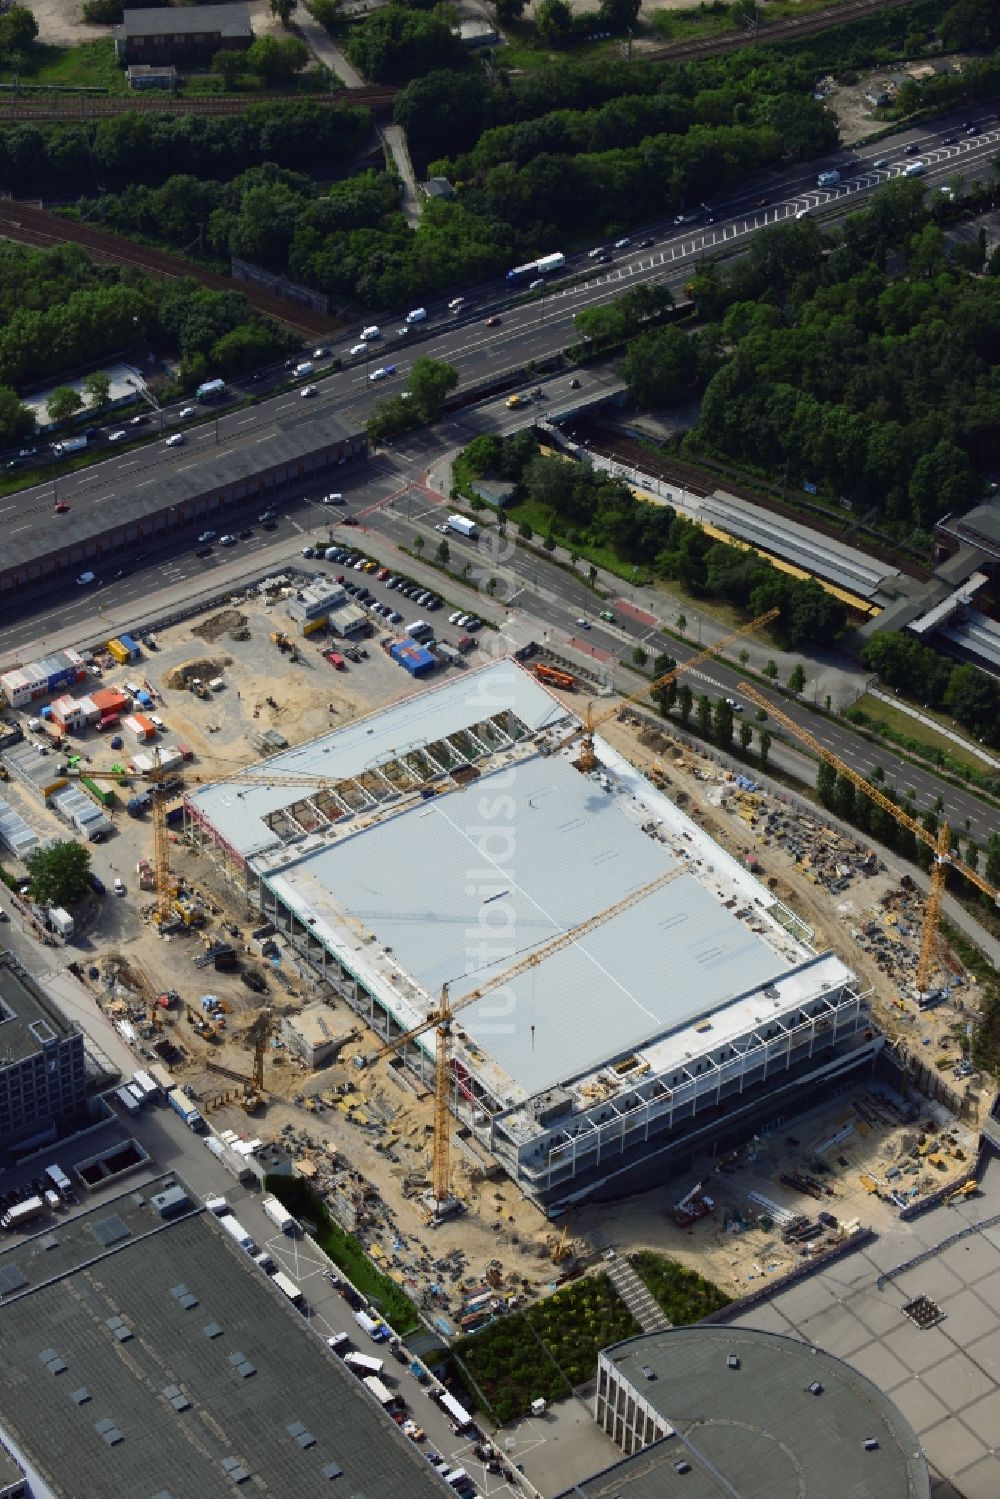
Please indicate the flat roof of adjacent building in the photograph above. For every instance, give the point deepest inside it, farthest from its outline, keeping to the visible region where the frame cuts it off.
(28, 1019)
(169, 20)
(149, 1359)
(790, 1422)
(183, 475)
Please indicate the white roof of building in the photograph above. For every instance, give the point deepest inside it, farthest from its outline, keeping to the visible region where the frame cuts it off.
(460, 886)
(236, 808)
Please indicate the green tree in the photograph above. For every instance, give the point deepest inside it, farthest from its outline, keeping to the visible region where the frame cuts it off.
(443, 552)
(682, 623)
(553, 21)
(764, 747)
(704, 716)
(274, 61)
(97, 386)
(640, 656)
(746, 735)
(431, 383)
(771, 669)
(16, 420)
(722, 724)
(508, 11)
(659, 368)
(60, 873)
(796, 678)
(992, 869)
(418, 544)
(229, 65)
(63, 402)
(826, 784)
(685, 702)
(283, 10)
(524, 531)
(592, 575)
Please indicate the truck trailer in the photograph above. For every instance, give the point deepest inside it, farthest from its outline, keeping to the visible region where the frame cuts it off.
(62, 921)
(186, 1107)
(382, 1393)
(234, 1228)
(22, 1212)
(463, 527)
(59, 1180)
(281, 1217)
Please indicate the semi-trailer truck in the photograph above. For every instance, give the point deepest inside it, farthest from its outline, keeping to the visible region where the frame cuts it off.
(22, 1212)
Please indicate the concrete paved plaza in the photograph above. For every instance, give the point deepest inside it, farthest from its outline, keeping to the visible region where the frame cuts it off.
(945, 1378)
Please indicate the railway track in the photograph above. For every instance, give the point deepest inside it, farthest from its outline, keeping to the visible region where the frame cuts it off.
(36, 227)
(86, 107)
(696, 481)
(780, 31)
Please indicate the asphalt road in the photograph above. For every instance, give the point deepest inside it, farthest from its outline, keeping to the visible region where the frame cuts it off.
(526, 330)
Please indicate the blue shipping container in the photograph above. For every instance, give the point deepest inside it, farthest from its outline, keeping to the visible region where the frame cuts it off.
(131, 645)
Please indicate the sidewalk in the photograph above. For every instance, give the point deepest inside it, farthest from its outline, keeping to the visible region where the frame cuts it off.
(325, 50)
(412, 202)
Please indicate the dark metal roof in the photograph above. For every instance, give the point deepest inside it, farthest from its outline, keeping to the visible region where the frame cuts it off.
(170, 1364)
(200, 20)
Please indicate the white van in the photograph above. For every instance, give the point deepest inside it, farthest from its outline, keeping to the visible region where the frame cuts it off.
(371, 332)
(359, 349)
(418, 315)
(305, 368)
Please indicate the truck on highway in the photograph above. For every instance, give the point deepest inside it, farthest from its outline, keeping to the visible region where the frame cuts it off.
(22, 1212)
(186, 1107)
(915, 169)
(212, 390)
(69, 445)
(828, 179)
(281, 1217)
(463, 527)
(545, 266)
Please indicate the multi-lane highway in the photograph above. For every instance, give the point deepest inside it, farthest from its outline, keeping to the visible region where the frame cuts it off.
(529, 329)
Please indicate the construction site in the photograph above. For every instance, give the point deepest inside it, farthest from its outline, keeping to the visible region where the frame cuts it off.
(476, 967)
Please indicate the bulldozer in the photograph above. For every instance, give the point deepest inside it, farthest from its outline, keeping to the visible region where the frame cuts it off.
(281, 640)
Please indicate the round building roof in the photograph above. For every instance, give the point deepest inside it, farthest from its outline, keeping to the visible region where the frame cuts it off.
(764, 1416)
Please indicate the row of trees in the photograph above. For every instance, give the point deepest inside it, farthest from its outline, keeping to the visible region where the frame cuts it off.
(59, 310)
(587, 508)
(136, 147)
(878, 389)
(715, 720)
(971, 696)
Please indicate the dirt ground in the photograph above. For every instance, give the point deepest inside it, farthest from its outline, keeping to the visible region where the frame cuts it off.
(364, 1136)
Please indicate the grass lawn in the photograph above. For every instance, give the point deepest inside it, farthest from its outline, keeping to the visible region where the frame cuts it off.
(553, 1347)
(547, 1350)
(345, 1251)
(87, 65)
(911, 728)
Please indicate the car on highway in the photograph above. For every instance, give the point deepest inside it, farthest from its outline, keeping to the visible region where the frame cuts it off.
(333, 499)
(950, 140)
(595, 252)
(538, 281)
(880, 163)
(762, 202)
(139, 421)
(584, 624)
(269, 525)
(358, 349)
(736, 707)
(605, 258)
(515, 400)
(203, 551)
(911, 149)
(61, 507)
(494, 321)
(608, 615)
(321, 353)
(206, 536)
(383, 372)
(86, 578)
(177, 440)
(117, 436)
(574, 384)
(246, 536)
(267, 514)
(186, 412)
(646, 244)
(308, 390)
(372, 331)
(972, 129)
(685, 218)
(456, 304)
(623, 243)
(227, 540)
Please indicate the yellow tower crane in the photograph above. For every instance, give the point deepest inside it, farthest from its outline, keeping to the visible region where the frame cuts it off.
(941, 845)
(158, 810)
(440, 1020)
(588, 758)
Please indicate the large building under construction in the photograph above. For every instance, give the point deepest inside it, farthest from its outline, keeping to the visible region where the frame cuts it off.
(446, 838)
